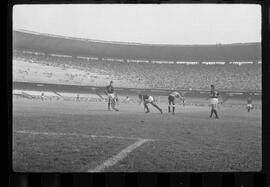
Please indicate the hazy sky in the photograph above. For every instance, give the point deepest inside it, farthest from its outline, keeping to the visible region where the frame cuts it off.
(153, 24)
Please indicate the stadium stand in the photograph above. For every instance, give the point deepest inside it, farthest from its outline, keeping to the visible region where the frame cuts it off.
(152, 75)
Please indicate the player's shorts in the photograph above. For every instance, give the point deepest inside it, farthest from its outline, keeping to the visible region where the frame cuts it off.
(111, 95)
(249, 106)
(171, 99)
(150, 99)
(214, 101)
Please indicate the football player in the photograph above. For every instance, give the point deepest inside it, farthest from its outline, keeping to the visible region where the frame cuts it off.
(111, 96)
(146, 100)
(249, 103)
(171, 100)
(214, 95)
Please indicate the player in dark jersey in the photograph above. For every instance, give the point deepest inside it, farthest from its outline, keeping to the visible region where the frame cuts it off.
(148, 99)
(214, 95)
(249, 103)
(111, 96)
(171, 100)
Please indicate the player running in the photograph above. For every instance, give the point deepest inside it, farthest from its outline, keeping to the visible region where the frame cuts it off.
(171, 100)
(249, 103)
(112, 98)
(146, 100)
(214, 95)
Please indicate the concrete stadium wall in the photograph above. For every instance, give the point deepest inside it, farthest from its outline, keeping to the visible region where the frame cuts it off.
(192, 97)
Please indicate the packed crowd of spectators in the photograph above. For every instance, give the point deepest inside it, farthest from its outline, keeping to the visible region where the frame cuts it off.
(148, 75)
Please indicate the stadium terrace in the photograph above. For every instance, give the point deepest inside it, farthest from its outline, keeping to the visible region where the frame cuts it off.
(64, 60)
(134, 52)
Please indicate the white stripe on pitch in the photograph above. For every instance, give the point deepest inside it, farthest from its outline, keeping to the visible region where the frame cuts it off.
(120, 156)
(75, 134)
(108, 163)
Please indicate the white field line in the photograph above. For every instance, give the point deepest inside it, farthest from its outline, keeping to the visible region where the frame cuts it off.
(120, 156)
(108, 163)
(76, 134)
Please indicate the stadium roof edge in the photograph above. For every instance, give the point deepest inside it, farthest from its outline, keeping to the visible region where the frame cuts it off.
(128, 43)
(47, 43)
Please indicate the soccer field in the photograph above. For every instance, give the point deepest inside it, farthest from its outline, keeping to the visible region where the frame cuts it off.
(69, 136)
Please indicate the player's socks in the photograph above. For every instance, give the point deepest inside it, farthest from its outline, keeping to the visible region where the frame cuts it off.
(109, 106)
(169, 109)
(154, 105)
(115, 108)
(216, 113)
(147, 109)
(212, 111)
(160, 110)
(173, 109)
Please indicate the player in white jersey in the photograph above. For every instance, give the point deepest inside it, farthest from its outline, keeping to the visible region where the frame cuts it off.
(249, 103)
(171, 100)
(146, 100)
(214, 96)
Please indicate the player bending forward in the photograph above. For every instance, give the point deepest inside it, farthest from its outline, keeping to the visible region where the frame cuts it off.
(112, 98)
(146, 100)
(171, 100)
(249, 103)
(214, 95)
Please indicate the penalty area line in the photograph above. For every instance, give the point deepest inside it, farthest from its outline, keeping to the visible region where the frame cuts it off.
(118, 157)
(75, 134)
(108, 163)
